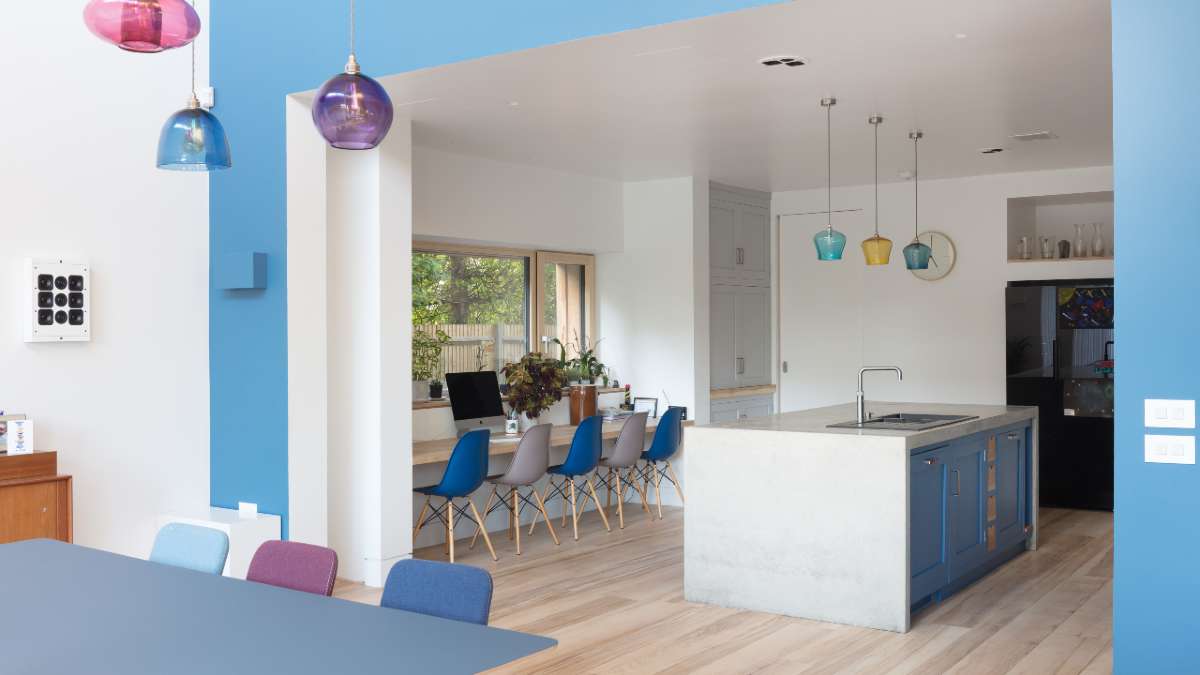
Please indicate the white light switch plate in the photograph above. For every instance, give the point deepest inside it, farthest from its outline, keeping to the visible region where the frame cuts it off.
(1170, 449)
(1169, 414)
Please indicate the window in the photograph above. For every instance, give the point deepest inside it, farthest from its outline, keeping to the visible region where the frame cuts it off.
(495, 305)
(565, 284)
(480, 302)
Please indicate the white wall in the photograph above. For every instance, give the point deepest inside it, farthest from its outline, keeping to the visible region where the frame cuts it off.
(948, 335)
(128, 412)
(481, 200)
(653, 297)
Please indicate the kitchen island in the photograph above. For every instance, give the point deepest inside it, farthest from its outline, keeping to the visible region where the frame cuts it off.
(856, 525)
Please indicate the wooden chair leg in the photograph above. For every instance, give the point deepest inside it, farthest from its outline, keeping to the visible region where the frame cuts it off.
(450, 528)
(620, 499)
(487, 505)
(678, 485)
(657, 489)
(420, 520)
(516, 517)
(486, 539)
(574, 514)
(564, 500)
(641, 494)
(542, 508)
(608, 496)
(599, 508)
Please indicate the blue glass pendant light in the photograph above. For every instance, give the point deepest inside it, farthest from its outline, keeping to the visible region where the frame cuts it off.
(916, 254)
(193, 138)
(829, 242)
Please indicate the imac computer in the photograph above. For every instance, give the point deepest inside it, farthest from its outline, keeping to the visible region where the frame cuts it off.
(475, 401)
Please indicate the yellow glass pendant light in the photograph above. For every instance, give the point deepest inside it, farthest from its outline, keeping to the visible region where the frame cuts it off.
(877, 249)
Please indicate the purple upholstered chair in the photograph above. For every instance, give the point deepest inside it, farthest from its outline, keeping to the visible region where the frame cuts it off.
(290, 564)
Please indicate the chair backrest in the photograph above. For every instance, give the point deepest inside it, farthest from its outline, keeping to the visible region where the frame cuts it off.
(447, 590)
(468, 464)
(586, 447)
(630, 442)
(291, 564)
(666, 435)
(192, 547)
(531, 458)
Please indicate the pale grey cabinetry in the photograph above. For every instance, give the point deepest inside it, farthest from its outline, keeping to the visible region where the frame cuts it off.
(739, 238)
(730, 409)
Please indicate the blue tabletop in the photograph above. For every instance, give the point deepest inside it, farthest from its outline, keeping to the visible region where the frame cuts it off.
(70, 609)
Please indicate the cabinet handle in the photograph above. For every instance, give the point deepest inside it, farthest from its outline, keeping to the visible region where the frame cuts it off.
(931, 461)
(957, 483)
(741, 256)
(1012, 436)
(741, 366)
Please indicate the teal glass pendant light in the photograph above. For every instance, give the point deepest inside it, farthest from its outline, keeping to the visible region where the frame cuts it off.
(916, 254)
(193, 139)
(829, 242)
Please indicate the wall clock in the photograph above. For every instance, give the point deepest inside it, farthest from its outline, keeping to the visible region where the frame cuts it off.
(941, 262)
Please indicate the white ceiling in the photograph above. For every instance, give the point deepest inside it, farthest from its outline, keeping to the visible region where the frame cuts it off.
(691, 97)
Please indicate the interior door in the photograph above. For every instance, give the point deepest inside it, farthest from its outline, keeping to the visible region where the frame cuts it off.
(821, 312)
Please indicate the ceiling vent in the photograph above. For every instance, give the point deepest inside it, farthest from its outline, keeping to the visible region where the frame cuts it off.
(1034, 136)
(791, 61)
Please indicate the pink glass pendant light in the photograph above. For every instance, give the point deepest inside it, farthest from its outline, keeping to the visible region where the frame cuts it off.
(143, 25)
(351, 110)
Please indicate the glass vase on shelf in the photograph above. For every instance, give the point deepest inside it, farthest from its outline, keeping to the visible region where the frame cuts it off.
(1097, 241)
(1080, 249)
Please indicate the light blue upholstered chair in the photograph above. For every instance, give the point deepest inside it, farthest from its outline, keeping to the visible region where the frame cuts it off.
(192, 547)
(446, 590)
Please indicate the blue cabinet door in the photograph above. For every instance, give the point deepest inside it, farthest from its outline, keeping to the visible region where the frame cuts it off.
(1010, 487)
(927, 523)
(965, 464)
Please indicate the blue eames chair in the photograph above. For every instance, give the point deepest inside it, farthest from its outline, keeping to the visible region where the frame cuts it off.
(658, 458)
(465, 472)
(581, 460)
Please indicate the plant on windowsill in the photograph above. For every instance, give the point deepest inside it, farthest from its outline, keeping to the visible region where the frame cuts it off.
(426, 359)
(586, 363)
(534, 384)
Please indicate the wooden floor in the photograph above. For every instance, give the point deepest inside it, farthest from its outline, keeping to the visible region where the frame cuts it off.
(615, 604)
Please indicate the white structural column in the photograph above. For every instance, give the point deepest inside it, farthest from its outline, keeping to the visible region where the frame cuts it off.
(349, 336)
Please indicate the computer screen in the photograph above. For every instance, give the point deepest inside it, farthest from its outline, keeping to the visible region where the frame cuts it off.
(475, 396)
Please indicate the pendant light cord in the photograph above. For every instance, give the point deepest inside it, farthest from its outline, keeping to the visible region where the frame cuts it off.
(916, 189)
(193, 45)
(352, 27)
(876, 125)
(829, 166)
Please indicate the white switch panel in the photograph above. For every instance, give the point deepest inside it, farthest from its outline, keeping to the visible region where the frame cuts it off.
(1167, 414)
(1170, 449)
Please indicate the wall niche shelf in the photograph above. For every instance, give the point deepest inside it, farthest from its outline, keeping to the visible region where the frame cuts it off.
(1055, 216)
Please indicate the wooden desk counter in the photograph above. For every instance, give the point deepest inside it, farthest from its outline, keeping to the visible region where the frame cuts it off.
(438, 450)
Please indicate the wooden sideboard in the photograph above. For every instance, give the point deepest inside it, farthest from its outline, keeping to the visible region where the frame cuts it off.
(35, 501)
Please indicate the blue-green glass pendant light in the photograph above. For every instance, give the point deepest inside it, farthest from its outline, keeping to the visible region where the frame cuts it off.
(193, 138)
(829, 242)
(916, 254)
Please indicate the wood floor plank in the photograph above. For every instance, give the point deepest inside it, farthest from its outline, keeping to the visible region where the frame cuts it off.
(614, 601)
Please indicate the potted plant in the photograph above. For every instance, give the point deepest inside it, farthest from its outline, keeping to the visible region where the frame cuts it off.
(585, 363)
(534, 384)
(435, 389)
(426, 358)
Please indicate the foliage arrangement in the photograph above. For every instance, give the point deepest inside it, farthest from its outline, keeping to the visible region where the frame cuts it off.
(534, 384)
(586, 365)
(427, 354)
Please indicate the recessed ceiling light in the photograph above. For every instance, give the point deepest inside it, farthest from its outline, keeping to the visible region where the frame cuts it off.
(791, 61)
(990, 151)
(960, 36)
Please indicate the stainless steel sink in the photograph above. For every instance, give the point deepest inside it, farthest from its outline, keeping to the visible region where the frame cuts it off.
(905, 422)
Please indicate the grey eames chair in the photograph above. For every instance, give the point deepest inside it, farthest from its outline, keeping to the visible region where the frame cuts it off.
(622, 462)
(529, 465)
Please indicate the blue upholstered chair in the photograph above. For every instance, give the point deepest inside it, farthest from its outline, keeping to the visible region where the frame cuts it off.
(192, 547)
(465, 472)
(445, 590)
(657, 458)
(581, 460)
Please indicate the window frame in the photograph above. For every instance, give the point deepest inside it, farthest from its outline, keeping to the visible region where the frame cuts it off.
(536, 259)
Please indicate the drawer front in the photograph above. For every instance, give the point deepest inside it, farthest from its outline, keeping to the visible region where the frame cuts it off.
(29, 511)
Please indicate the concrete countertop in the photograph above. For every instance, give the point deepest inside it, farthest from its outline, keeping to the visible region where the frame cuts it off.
(817, 420)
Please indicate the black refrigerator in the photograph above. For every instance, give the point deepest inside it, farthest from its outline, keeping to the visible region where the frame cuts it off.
(1060, 358)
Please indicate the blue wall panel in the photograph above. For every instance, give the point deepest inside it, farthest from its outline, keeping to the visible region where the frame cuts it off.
(262, 51)
(1156, 147)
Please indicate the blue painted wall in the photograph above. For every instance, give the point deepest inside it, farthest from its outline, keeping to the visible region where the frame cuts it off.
(1156, 150)
(265, 49)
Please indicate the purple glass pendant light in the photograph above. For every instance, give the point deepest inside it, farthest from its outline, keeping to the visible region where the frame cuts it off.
(143, 25)
(352, 111)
